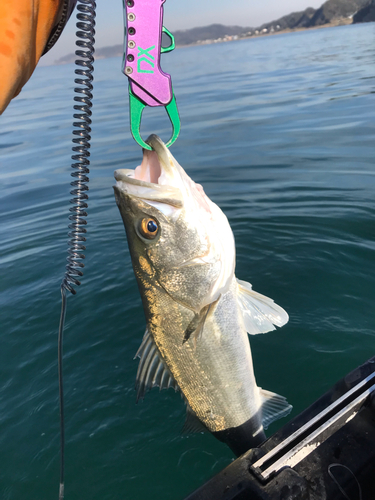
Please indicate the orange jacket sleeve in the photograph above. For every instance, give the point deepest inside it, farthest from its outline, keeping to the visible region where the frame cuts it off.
(25, 26)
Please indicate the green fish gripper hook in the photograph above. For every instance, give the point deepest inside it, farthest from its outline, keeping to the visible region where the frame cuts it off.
(136, 109)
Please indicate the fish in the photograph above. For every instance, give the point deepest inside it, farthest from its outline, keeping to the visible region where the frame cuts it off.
(198, 314)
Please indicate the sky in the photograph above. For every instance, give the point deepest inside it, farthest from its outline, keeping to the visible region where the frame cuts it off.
(179, 15)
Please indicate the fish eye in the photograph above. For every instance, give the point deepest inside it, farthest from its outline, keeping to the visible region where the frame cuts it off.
(149, 228)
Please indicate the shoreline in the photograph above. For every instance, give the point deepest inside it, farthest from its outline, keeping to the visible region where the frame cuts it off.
(338, 22)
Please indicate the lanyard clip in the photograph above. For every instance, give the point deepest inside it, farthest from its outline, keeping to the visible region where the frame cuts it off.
(148, 84)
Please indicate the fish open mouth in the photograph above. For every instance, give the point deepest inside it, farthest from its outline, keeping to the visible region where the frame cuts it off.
(157, 178)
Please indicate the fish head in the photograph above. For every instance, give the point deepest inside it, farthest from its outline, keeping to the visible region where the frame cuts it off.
(179, 240)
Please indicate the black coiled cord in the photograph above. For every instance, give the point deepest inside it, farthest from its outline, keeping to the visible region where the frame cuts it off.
(85, 23)
(85, 68)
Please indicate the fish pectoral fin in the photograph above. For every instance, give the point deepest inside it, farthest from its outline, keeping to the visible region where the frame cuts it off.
(196, 325)
(192, 423)
(259, 312)
(192, 327)
(152, 370)
(274, 407)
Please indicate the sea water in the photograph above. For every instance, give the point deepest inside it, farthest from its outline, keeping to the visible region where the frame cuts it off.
(280, 132)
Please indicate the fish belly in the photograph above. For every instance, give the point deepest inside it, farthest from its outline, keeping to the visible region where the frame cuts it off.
(213, 369)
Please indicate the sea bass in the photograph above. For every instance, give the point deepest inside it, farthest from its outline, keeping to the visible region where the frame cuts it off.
(197, 312)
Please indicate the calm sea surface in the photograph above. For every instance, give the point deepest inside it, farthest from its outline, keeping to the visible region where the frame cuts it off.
(280, 131)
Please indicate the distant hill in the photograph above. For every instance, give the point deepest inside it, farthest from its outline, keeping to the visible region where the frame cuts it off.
(301, 19)
(334, 9)
(212, 32)
(331, 12)
(365, 15)
(102, 53)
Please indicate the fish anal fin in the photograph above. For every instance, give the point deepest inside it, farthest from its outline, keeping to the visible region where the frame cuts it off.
(259, 313)
(274, 407)
(152, 369)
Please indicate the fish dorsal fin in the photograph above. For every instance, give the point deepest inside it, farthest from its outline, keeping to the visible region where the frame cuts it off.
(274, 407)
(192, 422)
(152, 370)
(259, 312)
